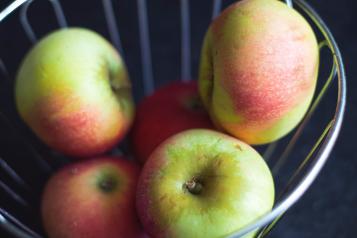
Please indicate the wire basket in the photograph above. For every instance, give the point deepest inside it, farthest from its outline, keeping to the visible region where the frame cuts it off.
(295, 160)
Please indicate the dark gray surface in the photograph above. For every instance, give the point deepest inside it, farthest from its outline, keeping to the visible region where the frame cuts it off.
(329, 208)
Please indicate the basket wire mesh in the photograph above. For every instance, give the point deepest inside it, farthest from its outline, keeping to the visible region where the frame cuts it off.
(299, 181)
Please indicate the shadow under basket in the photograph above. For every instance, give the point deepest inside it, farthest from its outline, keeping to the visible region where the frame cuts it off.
(158, 45)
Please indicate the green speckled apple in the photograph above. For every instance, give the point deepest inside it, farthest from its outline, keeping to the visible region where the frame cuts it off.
(258, 70)
(202, 183)
(72, 89)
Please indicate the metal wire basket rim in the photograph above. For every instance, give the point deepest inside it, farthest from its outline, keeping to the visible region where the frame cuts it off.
(324, 150)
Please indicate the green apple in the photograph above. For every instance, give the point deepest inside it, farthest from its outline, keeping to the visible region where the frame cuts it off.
(202, 183)
(258, 70)
(92, 199)
(72, 89)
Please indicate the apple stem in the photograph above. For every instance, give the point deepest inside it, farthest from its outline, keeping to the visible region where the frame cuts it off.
(107, 185)
(194, 104)
(193, 186)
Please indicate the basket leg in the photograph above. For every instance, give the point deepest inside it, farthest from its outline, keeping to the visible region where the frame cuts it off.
(185, 41)
(61, 19)
(112, 25)
(3, 69)
(145, 47)
(217, 5)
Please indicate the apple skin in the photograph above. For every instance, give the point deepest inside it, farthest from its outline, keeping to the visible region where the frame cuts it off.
(72, 89)
(236, 186)
(258, 70)
(92, 198)
(172, 108)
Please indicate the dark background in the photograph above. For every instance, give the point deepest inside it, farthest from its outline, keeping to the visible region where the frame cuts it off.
(328, 209)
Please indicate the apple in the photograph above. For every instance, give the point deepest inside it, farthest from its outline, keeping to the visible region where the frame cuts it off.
(202, 183)
(258, 70)
(172, 108)
(72, 89)
(91, 199)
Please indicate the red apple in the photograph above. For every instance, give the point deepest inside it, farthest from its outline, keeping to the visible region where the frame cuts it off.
(171, 109)
(91, 199)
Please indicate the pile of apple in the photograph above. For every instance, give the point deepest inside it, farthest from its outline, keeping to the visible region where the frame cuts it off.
(190, 177)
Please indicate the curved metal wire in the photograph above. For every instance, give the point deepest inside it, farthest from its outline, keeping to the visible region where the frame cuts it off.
(25, 22)
(283, 158)
(14, 230)
(3, 69)
(12, 7)
(289, 3)
(14, 226)
(12, 173)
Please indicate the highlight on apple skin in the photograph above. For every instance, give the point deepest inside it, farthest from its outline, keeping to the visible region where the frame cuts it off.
(92, 198)
(172, 108)
(258, 70)
(202, 183)
(72, 89)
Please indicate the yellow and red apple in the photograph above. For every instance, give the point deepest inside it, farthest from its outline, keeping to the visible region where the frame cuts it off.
(91, 199)
(72, 89)
(202, 183)
(258, 70)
